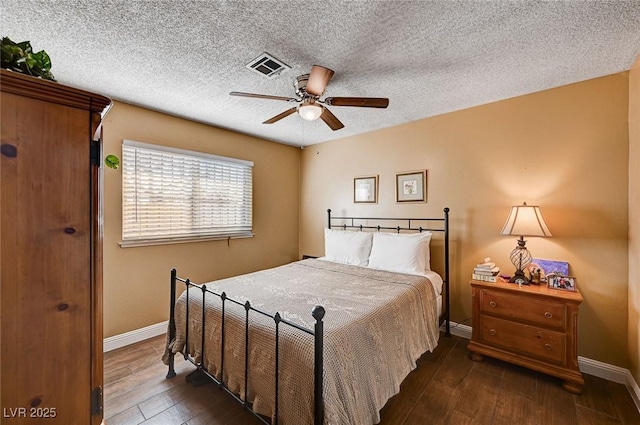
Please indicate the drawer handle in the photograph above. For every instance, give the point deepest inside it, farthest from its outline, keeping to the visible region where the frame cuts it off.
(548, 347)
(548, 315)
(492, 332)
(492, 304)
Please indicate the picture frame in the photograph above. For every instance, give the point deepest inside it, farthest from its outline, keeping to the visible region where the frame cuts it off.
(411, 186)
(563, 283)
(365, 190)
(547, 267)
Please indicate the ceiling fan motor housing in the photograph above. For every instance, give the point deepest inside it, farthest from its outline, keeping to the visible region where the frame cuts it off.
(300, 85)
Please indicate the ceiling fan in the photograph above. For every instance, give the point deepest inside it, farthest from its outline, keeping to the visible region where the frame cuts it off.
(309, 88)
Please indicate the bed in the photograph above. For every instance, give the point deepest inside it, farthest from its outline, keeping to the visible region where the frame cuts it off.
(322, 340)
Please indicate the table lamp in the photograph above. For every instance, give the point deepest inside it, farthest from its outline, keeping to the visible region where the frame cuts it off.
(524, 220)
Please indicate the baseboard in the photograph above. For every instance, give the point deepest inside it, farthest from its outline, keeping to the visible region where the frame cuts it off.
(588, 366)
(136, 335)
(633, 388)
(458, 329)
(603, 370)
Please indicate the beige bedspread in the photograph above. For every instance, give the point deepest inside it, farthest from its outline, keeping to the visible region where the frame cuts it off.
(376, 325)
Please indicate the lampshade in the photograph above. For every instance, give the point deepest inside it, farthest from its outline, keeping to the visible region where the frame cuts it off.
(525, 220)
(310, 111)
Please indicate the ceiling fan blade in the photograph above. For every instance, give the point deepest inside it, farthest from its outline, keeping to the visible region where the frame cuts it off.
(280, 116)
(331, 120)
(318, 80)
(363, 102)
(263, 96)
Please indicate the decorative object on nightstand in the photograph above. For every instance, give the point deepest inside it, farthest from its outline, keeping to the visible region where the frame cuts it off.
(560, 281)
(524, 220)
(486, 271)
(532, 326)
(546, 268)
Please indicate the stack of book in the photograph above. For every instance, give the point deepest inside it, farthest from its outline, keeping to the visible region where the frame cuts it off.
(486, 271)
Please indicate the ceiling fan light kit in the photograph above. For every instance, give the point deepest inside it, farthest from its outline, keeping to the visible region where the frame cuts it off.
(310, 111)
(309, 88)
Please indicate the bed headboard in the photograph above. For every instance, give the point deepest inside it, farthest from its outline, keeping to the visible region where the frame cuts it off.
(435, 225)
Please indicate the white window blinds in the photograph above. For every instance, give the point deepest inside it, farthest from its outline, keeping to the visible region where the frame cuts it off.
(173, 195)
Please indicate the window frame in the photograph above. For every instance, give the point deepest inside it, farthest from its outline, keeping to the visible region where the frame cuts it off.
(193, 156)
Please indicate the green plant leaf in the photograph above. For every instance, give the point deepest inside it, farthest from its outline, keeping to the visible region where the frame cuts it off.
(43, 60)
(112, 161)
(10, 52)
(30, 61)
(25, 46)
(19, 57)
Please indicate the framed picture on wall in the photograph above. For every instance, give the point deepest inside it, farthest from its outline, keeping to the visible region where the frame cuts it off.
(411, 186)
(365, 190)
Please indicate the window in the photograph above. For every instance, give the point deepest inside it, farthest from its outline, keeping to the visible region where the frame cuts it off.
(173, 195)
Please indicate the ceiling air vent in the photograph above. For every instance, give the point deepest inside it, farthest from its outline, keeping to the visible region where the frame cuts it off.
(267, 65)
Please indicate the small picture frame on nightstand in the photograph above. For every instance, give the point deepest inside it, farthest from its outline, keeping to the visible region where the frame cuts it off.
(558, 281)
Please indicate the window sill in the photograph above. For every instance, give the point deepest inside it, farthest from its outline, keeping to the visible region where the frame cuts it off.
(172, 241)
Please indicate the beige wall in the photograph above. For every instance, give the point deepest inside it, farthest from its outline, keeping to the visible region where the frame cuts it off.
(565, 149)
(634, 219)
(136, 280)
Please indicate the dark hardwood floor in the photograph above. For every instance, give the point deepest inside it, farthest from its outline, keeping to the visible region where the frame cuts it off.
(446, 388)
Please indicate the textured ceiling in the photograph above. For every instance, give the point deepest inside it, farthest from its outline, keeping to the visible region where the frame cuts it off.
(428, 58)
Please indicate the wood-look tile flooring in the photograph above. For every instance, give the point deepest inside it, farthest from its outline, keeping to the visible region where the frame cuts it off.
(446, 388)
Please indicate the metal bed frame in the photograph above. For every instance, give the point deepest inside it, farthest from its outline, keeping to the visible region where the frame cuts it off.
(201, 374)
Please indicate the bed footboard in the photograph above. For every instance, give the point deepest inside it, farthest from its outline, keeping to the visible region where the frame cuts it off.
(317, 332)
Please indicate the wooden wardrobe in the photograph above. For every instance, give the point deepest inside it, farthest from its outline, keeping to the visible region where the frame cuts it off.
(50, 252)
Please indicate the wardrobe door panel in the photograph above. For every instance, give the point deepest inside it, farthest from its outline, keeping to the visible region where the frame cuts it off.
(46, 262)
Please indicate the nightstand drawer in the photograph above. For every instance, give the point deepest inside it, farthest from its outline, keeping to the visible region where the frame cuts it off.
(530, 340)
(544, 313)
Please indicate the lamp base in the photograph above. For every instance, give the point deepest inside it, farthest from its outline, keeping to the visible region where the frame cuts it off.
(521, 258)
(519, 278)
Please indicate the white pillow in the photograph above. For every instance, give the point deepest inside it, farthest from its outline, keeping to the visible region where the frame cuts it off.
(343, 246)
(403, 253)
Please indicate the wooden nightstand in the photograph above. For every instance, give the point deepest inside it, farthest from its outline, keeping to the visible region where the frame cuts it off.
(531, 326)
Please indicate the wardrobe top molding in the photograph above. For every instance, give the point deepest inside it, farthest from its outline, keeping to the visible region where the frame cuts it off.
(37, 88)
